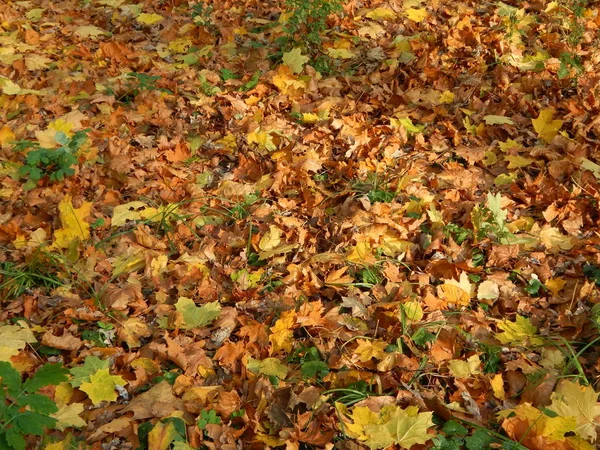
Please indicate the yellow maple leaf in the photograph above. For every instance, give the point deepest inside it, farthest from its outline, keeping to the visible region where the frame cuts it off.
(68, 416)
(282, 332)
(381, 13)
(295, 60)
(536, 424)
(361, 253)
(368, 349)
(464, 369)
(73, 222)
(447, 97)
(149, 19)
(571, 399)
(519, 332)
(101, 387)
(360, 417)
(403, 427)
(271, 239)
(545, 127)
(340, 53)
(497, 384)
(416, 14)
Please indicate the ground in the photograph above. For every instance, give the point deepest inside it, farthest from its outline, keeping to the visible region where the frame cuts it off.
(223, 226)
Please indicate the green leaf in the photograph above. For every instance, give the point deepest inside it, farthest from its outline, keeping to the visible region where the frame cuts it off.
(480, 440)
(453, 428)
(295, 60)
(33, 423)
(270, 367)
(91, 365)
(14, 439)
(194, 316)
(10, 378)
(101, 387)
(48, 374)
(38, 403)
(310, 369)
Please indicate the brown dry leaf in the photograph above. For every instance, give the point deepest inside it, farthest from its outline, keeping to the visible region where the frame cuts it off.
(65, 342)
(132, 330)
(157, 402)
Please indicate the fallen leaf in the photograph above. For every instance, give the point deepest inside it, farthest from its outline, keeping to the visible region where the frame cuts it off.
(102, 386)
(158, 402)
(74, 226)
(570, 399)
(545, 127)
(295, 60)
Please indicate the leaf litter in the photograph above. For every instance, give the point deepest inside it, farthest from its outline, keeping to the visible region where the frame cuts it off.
(218, 242)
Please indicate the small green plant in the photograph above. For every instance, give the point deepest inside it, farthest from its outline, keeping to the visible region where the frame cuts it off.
(202, 16)
(40, 271)
(373, 189)
(56, 163)
(208, 417)
(533, 286)
(311, 365)
(23, 411)
(458, 233)
(455, 437)
(568, 62)
(307, 20)
(490, 221)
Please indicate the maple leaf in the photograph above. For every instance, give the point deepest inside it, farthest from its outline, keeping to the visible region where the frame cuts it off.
(73, 222)
(282, 332)
(149, 19)
(416, 14)
(392, 425)
(545, 127)
(196, 316)
(463, 369)
(520, 332)
(271, 239)
(101, 387)
(571, 399)
(368, 349)
(14, 338)
(68, 416)
(91, 365)
(90, 31)
(158, 401)
(162, 436)
(271, 367)
(295, 60)
(497, 120)
(132, 330)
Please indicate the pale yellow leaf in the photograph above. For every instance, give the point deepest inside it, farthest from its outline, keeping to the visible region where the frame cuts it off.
(149, 19)
(570, 399)
(295, 60)
(545, 127)
(90, 31)
(368, 349)
(497, 384)
(381, 13)
(74, 227)
(416, 14)
(271, 239)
